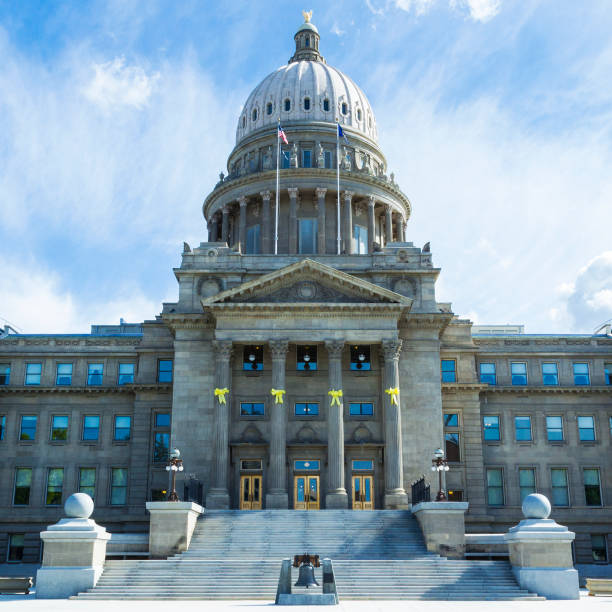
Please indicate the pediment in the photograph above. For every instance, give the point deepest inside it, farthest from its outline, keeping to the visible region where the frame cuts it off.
(304, 282)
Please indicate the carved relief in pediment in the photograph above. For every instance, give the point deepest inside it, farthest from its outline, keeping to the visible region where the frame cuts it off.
(307, 435)
(362, 434)
(252, 434)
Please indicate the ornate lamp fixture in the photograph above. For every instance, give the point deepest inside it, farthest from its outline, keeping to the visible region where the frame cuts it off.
(440, 465)
(174, 465)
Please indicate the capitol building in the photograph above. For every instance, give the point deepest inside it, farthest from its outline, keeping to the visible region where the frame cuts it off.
(306, 363)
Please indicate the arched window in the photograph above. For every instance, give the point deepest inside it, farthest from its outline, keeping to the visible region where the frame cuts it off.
(287, 105)
(307, 104)
(308, 41)
(326, 105)
(358, 114)
(344, 108)
(244, 121)
(254, 114)
(269, 108)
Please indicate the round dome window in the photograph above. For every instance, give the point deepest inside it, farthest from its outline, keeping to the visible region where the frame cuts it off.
(287, 105)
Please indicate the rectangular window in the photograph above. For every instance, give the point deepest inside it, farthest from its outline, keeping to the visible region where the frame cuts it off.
(33, 373)
(87, 481)
(586, 428)
(360, 234)
(328, 159)
(28, 427)
(560, 490)
(123, 428)
(91, 427)
(118, 496)
(607, 373)
(59, 428)
(5, 373)
(522, 426)
(126, 373)
(307, 237)
(487, 373)
(455, 495)
(519, 373)
(550, 374)
(306, 357)
(360, 358)
(495, 487)
(581, 374)
(285, 159)
(306, 465)
(15, 547)
(592, 488)
(362, 465)
(306, 158)
(164, 371)
(309, 409)
(599, 548)
(451, 442)
(94, 373)
(23, 484)
(252, 360)
(490, 426)
(252, 409)
(247, 465)
(527, 482)
(63, 375)
(361, 409)
(161, 446)
(2, 426)
(554, 428)
(449, 370)
(451, 420)
(253, 240)
(162, 419)
(55, 484)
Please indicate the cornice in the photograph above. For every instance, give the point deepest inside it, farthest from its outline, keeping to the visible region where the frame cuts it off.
(550, 389)
(453, 387)
(292, 309)
(124, 389)
(436, 321)
(188, 321)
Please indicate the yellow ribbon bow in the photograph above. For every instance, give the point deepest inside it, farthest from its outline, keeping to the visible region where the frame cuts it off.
(220, 393)
(335, 395)
(393, 393)
(278, 395)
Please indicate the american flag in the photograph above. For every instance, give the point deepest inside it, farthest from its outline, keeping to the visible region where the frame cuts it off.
(281, 134)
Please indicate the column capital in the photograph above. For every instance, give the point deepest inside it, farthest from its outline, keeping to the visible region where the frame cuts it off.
(371, 201)
(334, 348)
(391, 349)
(293, 192)
(348, 195)
(321, 191)
(278, 348)
(223, 349)
(226, 209)
(242, 200)
(266, 195)
(388, 208)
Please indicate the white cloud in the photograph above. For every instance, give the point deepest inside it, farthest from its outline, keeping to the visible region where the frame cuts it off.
(478, 10)
(373, 9)
(337, 31)
(115, 84)
(420, 6)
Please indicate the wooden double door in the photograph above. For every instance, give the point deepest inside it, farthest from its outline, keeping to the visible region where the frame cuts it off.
(363, 492)
(250, 492)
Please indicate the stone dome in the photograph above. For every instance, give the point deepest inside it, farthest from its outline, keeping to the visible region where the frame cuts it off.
(307, 90)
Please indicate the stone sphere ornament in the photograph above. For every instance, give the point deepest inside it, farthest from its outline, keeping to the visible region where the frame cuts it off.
(79, 505)
(536, 506)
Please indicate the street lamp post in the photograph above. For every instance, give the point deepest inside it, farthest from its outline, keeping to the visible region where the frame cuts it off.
(175, 465)
(440, 465)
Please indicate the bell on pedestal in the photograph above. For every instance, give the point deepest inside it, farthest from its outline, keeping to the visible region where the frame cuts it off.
(306, 576)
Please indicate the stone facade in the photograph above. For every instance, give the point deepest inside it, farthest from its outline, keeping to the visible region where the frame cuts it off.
(243, 294)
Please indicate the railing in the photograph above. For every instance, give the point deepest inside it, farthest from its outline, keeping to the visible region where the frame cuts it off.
(193, 491)
(420, 491)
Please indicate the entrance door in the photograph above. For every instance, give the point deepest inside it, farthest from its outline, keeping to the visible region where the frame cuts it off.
(363, 493)
(250, 492)
(306, 493)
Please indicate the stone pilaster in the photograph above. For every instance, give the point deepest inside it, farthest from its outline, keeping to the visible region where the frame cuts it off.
(336, 496)
(321, 191)
(388, 225)
(242, 224)
(371, 205)
(348, 223)
(293, 230)
(225, 225)
(277, 497)
(395, 495)
(266, 227)
(218, 495)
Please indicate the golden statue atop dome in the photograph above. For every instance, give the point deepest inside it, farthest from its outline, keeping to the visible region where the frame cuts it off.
(307, 16)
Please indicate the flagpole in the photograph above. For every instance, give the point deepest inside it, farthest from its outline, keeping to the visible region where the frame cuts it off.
(278, 146)
(338, 182)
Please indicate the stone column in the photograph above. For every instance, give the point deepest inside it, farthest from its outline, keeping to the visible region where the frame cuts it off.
(371, 204)
(277, 497)
(293, 230)
(348, 223)
(225, 225)
(388, 225)
(266, 227)
(214, 229)
(242, 224)
(336, 496)
(395, 496)
(399, 228)
(218, 495)
(321, 191)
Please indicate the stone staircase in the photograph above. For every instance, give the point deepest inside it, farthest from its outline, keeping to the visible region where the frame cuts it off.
(376, 555)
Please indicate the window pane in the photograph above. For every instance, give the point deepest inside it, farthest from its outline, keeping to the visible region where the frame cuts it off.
(28, 428)
(306, 409)
(64, 374)
(599, 548)
(59, 428)
(252, 358)
(592, 489)
(252, 238)
(522, 426)
(162, 419)
(360, 358)
(87, 481)
(23, 482)
(560, 495)
(586, 428)
(306, 357)
(495, 490)
(309, 465)
(94, 373)
(361, 409)
(306, 159)
(5, 373)
(494, 478)
(549, 374)
(161, 446)
(164, 374)
(360, 234)
(519, 373)
(307, 235)
(491, 427)
(554, 428)
(452, 446)
(55, 482)
(16, 544)
(487, 373)
(527, 482)
(91, 427)
(2, 426)
(448, 367)
(451, 420)
(328, 158)
(33, 372)
(118, 486)
(581, 374)
(607, 372)
(250, 409)
(126, 373)
(123, 426)
(363, 464)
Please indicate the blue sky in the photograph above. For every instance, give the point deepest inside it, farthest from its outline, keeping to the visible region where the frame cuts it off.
(495, 116)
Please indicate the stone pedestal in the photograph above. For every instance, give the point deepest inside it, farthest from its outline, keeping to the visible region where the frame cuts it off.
(443, 527)
(74, 552)
(541, 552)
(171, 527)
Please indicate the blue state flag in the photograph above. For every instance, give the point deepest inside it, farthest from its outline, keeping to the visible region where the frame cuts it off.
(341, 134)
